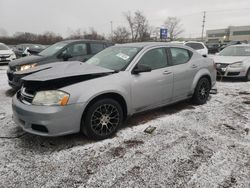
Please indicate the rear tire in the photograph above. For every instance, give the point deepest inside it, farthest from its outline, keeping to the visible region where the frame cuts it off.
(102, 119)
(202, 91)
(247, 78)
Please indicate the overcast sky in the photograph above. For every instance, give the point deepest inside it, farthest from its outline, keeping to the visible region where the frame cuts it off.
(63, 16)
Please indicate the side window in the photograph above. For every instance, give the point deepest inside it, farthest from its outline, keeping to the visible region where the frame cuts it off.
(155, 59)
(79, 49)
(96, 47)
(179, 56)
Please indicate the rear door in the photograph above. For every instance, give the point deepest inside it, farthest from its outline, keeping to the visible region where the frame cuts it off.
(150, 89)
(183, 69)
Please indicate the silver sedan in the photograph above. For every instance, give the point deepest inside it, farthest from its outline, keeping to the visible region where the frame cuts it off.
(96, 97)
(234, 61)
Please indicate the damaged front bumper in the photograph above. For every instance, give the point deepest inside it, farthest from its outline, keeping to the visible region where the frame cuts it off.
(48, 120)
(231, 72)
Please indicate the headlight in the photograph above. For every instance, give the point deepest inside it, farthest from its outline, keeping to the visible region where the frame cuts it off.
(51, 98)
(25, 67)
(236, 65)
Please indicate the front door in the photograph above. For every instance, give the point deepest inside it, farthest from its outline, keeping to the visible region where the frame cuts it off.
(151, 89)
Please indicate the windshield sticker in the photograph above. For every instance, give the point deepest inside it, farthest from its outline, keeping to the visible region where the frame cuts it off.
(123, 56)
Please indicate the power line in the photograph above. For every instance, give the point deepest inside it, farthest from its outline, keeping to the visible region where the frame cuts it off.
(228, 10)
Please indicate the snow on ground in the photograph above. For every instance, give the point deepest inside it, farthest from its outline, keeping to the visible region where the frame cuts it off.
(192, 146)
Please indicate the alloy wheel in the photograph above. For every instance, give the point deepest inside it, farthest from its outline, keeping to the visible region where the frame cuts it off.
(203, 91)
(105, 119)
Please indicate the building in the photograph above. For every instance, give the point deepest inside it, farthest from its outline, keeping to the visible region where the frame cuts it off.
(232, 33)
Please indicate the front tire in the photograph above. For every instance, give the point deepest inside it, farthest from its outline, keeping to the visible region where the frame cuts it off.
(202, 91)
(102, 119)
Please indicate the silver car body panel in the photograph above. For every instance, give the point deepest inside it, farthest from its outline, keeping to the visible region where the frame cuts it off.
(141, 92)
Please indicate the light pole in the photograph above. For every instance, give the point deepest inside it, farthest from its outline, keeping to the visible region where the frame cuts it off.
(111, 25)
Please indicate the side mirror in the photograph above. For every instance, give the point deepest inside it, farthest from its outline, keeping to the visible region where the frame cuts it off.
(66, 56)
(141, 68)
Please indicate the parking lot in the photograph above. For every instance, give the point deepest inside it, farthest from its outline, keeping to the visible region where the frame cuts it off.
(192, 146)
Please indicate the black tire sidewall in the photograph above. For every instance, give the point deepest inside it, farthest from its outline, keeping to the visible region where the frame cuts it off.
(86, 125)
(196, 99)
(248, 75)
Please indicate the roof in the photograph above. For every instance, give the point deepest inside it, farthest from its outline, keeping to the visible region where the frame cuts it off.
(149, 44)
(83, 40)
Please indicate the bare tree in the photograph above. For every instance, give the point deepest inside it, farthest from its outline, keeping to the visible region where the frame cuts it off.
(3, 32)
(121, 35)
(174, 26)
(138, 25)
(91, 34)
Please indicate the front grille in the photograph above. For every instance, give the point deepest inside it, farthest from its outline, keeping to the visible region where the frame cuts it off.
(233, 73)
(25, 96)
(39, 128)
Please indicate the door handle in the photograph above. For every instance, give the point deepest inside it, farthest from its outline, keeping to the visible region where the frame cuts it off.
(167, 72)
(194, 66)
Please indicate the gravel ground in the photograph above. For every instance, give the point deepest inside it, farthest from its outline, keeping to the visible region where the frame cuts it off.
(192, 146)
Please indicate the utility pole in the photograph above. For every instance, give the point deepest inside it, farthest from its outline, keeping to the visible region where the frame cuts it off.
(203, 24)
(111, 24)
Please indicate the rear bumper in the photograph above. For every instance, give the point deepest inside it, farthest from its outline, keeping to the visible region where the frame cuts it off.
(47, 120)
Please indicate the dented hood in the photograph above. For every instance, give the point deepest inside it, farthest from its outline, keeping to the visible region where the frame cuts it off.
(60, 70)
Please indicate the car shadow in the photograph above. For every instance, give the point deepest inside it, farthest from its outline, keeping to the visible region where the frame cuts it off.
(47, 145)
(147, 116)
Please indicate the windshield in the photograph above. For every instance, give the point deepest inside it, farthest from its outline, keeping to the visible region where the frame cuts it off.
(195, 46)
(53, 49)
(236, 51)
(3, 47)
(114, 58)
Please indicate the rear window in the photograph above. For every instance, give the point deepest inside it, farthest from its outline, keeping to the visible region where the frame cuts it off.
(179, 56)
(96, 47)
(195, 46)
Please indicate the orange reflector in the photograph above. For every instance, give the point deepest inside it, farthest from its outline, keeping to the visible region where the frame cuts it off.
(64, 101)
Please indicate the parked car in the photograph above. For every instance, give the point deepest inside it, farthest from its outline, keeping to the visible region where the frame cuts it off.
(232, 43)
(198, 46)
(213, 48)
(234, 61)
(68, 50)
(22, 50)
(6, 54)
(95, 97)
